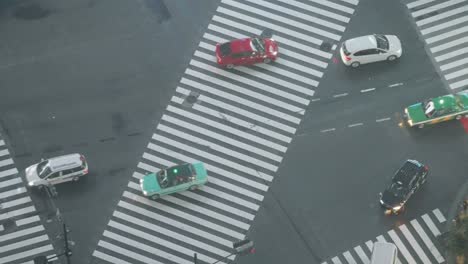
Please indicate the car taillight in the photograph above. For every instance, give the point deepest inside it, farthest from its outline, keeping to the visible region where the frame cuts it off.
(85, 172)
(347, 58)
(82, 158)
(425, 167)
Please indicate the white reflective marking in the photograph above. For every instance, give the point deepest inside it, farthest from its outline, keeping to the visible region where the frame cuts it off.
(174, 223)
(401, 247)
(242, 101)
(21, 233)
(355, 125)
(265, 24)
(370, 245)
(16, 202)
(456, 74)
(109, 258)
(349, 258)
(4, 152)
(452, 54)
(333, 5)
(409, 237)
(243, 112)
(447, 24)
(427, 241)
(418, 3)
(250, 82)
(303, 58)
(340, 95)
(353, 2)
(230, 198)
(25, 254)
(23, 243)
(450, 44)
(439, 215)
(6, 162)
(18, 212)
(2, 142)
(315, 100)
(10, 182)
(442, 16)
(169, 233)
(459, 84)
(12, 192)
(435, 7)
(361, 255)
(8, 172)
(291, 75)
(382, 119)
(303, 16)
(447, 34)
(454, 64)
(129, 253)
(367, 90)
(28, 220)
(336, 260)
(222, 138)
(395, 84)
(226, 128)
(316, 10)
(327, 130)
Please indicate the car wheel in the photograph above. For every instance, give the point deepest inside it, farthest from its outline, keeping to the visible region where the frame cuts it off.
(193, 187)
(392, 58)
(355, 64)
(458, 117)
(421, 125)
(230, 66)
(267, 60)
(75, 178)
(155, 196)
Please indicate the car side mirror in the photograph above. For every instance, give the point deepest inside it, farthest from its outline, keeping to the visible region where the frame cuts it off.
(42, 159)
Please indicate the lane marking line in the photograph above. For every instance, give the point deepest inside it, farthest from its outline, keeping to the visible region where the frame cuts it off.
(367, 90)
(315, 100)
(327, 130)
(395, 84)
(356, 124)
(382, 119)
(340, 95)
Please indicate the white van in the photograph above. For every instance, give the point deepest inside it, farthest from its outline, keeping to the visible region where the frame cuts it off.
(384, 253)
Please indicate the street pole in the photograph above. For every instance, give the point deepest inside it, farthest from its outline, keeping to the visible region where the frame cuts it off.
(194, 258)
(67, 249)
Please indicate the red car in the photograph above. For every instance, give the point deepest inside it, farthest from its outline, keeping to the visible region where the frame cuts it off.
(246, 52)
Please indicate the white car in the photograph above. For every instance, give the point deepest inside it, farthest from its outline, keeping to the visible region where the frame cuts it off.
(56, 170)
(371, 48)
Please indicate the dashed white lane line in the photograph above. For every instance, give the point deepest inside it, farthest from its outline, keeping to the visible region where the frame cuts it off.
(395, 84)
(367, 90)
(355, 125)
(315, 100)
(340, 95)
(382, 119)
(327, 130)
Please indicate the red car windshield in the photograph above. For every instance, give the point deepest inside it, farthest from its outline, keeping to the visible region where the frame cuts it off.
(258, 45)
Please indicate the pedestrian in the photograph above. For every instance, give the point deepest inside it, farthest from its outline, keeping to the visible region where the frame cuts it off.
(465, 205)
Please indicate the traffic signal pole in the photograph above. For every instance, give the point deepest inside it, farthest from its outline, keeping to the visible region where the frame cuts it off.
(67, 249)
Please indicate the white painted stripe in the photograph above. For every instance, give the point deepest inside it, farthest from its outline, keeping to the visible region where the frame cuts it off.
(175, 223)
(6, 162)
(427, 241)
(316, 10)
(16, 202)
(17, 212)
(21, 233)
(454, 64)
(222, 138)
(382, 239)
(355, 125)
(252, 83)
(459, 84)
(329, 4)
(218, 39)
(447, 24)
(327, 130)
(447, 34)
(23, 243)
(10, 182)
(300, 15)
(353, 2)
(25, 254)
(306, 59)
(395, 84)
(2, 142)
(367, 90)
(266, 77)
(418, 3)
(315, 100)
(409, 237)
(340, 95)
(370, 245)
(442, 16)
(349, 258)
(214, 169)
(108, 258)
(12, 192)
(28, 220)
(439, 215)
(8, 172)
(242, 101)
(230, 198)
(291, 75)
(243, 112)
(382, 119)
(216, 147)
(401, 247)
(234, 120)
(4, 152)
(456, 74)
(436, 7)
(452, 54)
(336, 260)
(266, 24)
(362, 255)
(129, 253)
(226, 128)
(159, 229)
(281, 40)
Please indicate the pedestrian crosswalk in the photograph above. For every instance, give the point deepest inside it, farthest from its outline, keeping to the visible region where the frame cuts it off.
(237, 122)
(415, 241)
(22, 236)
(444, 27)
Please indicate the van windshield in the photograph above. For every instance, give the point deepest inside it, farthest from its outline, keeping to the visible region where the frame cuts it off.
(42, 174)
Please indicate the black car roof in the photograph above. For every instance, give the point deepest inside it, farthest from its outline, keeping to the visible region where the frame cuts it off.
(406, 173)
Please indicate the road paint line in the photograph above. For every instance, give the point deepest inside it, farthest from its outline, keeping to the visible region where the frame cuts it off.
(367, 90)
(403, 250)
(439, 215)
(315, 100)
(395, 84)
(336, 260)
(370, 245)
(340, 95)
(327, 130)
(349, 258)
(355, 125)
(383, 119)
(427, 241)
(362, 255)
(409, 237)
(435, 231)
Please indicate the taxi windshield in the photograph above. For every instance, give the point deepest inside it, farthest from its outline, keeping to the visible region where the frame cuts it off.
(257, 45)
(162, 179)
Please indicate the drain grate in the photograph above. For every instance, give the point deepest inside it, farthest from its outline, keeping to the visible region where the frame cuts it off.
(191, 99)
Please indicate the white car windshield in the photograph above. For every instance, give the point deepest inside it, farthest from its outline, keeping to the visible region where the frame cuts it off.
(45, 170)
(382, 41)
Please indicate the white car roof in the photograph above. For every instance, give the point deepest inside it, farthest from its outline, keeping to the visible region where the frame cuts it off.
(361, 43)
(64, 162)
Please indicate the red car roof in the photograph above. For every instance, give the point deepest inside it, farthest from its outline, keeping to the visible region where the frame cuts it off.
(241, 45)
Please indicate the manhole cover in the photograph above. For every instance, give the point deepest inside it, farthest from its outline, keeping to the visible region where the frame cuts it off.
(267, 33)
(31, 12)
(8, 223)
(325, 46)
(191, 99)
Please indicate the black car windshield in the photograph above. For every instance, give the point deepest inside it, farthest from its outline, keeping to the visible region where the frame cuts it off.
(45, 170)
(397, 189)
(258, 45)
(162, 179)
(429, 108)
(382, 41)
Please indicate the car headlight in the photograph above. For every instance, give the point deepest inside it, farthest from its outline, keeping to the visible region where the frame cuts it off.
(398, 51)
(396, 208)
(31, 183)
(406, 110)
(141, 181)
(410, 122)
(145, 193)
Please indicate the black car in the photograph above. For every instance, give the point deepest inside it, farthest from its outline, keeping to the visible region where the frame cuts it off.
(405, 182)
